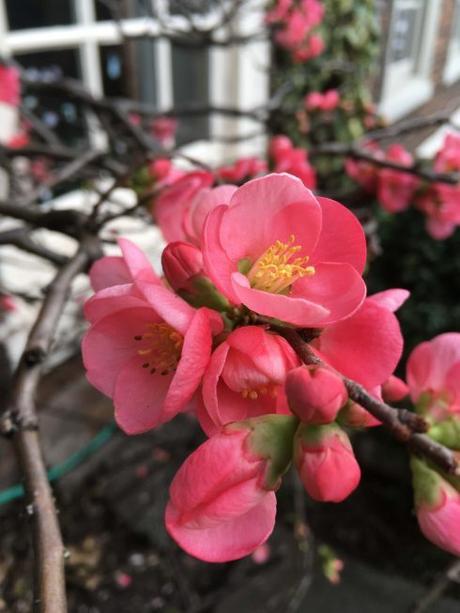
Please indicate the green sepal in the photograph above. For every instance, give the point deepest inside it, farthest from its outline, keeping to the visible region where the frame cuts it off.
(202, 293)
(426, 482)
(271, 438)
(447, 433)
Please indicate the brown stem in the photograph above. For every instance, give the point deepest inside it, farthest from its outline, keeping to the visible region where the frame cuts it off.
(404, 425)
(20, 422)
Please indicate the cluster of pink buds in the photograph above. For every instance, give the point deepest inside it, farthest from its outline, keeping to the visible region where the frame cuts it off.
(396, 189)
(295, 22)
(325, 102)
(285, 157)
(242, 264)
(433, 378)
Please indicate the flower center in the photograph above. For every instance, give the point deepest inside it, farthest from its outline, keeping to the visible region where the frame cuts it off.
(278, 268)
(162, 348)
(262, 390)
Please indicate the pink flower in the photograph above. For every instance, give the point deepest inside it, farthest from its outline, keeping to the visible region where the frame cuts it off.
(10, 87)
(132, 265)
(295, 29)
(437, 505)
(315, 394)
(441, 204)
(181, 263)
(243, 169)
(448, 157)
(149, 354)
(172, 204)
(292, 160)
(367, 346)
(326, 463)
(433, 375)
(311, 48)
(365, 173)
(222, 504)
(7, 303)
(284, 253)
(204, 201)
(328, 101)
(279, 11)
(395, 188)
(164, 130)
(394, 389)
(245, 378)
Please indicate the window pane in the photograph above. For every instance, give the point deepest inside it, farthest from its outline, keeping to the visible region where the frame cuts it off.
(136, 8)
(24, 14)
(186, 7)
(191, 88)
(404, 32)
(61, 115)
(116, 80)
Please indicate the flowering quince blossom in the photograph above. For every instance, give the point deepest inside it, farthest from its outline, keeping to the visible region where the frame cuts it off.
(437, 505)
(294, 23)
(245, 378)
(433, 376)
(327, 101)
(146, 348)
(164, 130)
(326, 463)
(365, 173)
(293, 160)
(172, 204)
(283, 253)
(10, 88)
(396, 189)
(222, 502)
(315, 394)
(242, 170)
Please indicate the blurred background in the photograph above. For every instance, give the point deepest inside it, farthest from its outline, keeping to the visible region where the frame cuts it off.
(217, 72)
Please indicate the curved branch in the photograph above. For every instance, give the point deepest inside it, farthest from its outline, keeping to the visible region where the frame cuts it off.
(404, 425)
(20, 422)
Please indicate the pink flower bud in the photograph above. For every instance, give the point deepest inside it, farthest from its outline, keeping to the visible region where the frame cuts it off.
(326, 463)
(353, 415)
(437, 506)
(394, 389)
(279, 145)
(222, 504)
(181, 262)
(315, 395)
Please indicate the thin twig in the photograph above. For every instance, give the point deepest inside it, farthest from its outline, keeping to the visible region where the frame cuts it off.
(452, 573)
(404, 425)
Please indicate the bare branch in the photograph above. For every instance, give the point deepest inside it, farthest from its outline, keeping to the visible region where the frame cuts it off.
(404, 425)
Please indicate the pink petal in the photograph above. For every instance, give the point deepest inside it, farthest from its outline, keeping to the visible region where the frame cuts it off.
(216, 262)
(112, 299)
(248, 227)
(139, 396)
(109, 344)
(298, 311)
(170, 307)
(390, 299)
(226, 541)
(109, 271)
(196, 353)
(206, 200)
(365, 347)
(342, 237)
(339, 288)
(137, 262)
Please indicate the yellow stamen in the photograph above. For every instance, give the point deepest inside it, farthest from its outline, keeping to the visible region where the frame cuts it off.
(263, 390)
(163, 346)
(278, 268)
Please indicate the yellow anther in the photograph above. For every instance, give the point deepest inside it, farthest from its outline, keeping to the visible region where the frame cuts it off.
(163, 346)
(278, 268)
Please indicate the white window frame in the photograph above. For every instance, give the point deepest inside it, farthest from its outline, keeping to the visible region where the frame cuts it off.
(452, 67)
(401, 97)
(231, 68)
